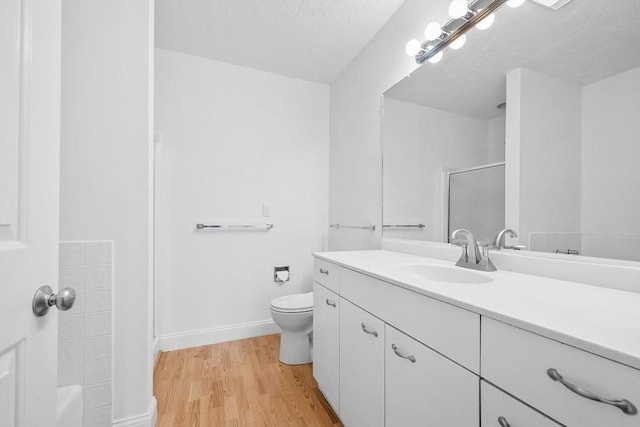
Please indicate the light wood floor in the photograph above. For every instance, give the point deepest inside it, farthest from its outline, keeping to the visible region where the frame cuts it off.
(237, 383)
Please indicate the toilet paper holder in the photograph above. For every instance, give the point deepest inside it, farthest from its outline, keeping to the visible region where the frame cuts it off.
(281, 274)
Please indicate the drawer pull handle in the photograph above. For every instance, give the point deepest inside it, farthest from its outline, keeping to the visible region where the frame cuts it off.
(331, 303)
(624, 405)
(365, 330)
(323, 271)
(410, 357)
(503, 422)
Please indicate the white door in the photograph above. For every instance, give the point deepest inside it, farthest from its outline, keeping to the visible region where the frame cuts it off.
(29, 187)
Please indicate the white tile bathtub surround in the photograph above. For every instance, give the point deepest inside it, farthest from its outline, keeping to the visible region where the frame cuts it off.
(97, 371)
(71, 276)
(85, 332)
(70, 352)
(97, 324)
(97, 396)
(70, 374)
(96, 300)
(97, 417)
(70, 327)
(70, 254)
(97, 347)
(97, 276)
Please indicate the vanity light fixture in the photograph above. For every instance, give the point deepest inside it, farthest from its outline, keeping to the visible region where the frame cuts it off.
(464, 17)
(486, 22)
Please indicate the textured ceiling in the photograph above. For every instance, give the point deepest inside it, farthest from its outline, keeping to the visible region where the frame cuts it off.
(307, 39)
(583, 42)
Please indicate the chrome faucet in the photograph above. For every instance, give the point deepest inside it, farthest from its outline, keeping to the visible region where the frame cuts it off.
(472, 256)
(498, 242)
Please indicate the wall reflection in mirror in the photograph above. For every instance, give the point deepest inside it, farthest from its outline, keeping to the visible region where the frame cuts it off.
(568, 138)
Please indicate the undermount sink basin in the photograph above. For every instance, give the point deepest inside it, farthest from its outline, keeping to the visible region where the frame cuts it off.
(444, 274)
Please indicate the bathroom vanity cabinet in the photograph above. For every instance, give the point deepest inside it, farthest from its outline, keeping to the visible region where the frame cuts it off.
(386, 354)
(385, 377)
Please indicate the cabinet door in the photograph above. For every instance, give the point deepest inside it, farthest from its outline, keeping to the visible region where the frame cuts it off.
(424, 388)
(501, 410)
(326, 342)
(361, 367)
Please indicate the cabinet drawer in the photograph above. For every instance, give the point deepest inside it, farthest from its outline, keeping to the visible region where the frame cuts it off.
(518, 362)
(424, 388)
(326, 343)
(326, 274)
(449, 330)
(501, 410)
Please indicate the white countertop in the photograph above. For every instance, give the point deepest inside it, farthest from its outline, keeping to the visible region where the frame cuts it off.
(599, 320)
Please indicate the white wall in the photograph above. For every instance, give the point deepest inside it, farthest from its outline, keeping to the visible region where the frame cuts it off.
(355, 187)
(610, 154)
(496, 130)
(233, 139)
(105, 145)
(546, 131)
(610, 171)
(576, 151)
(414, 160)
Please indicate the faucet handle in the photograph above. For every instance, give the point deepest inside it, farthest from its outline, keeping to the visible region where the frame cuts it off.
(465, 249)
(482, 243)
(484, 246)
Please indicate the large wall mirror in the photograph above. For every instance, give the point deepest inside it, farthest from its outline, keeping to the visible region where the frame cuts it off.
(533, 125)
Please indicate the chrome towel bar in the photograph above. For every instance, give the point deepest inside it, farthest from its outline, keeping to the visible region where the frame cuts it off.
(267, 226)
(404, 226)
(358, 227)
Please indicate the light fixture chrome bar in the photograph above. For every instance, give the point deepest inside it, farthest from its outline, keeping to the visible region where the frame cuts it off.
(472, 18)
(358, 227)
(267, 226)
(403, 226)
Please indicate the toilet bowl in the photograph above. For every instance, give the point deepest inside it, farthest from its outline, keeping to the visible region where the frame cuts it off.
(294, 315)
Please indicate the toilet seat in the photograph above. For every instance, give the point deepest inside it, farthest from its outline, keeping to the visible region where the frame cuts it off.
(296, 303)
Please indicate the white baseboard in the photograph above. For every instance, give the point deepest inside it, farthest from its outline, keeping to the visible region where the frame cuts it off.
(186, 339)
(156, 349)
(147, 419)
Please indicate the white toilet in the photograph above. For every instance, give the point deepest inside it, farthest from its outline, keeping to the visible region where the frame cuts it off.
(294, 315)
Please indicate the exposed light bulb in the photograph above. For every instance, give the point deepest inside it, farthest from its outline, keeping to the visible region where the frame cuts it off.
(458, 9)
(432, 31)
(486, 22)
(436, 58)
(514, 3)
(413, 47)
(459, 42)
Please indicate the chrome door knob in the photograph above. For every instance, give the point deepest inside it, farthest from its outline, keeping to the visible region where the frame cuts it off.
(45, 298)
